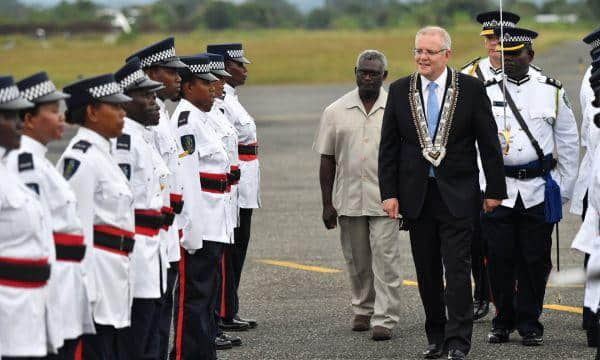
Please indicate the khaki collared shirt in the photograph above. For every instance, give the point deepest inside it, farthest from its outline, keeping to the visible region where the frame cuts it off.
(352, 136)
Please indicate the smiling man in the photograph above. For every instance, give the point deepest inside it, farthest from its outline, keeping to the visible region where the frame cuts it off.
(428, 173)
(348, 141)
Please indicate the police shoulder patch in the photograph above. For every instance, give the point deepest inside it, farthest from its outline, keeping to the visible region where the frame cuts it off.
(490, 82)
(126, 168)
(70, 166)
(183, 118)
(124, 142)
(188, 143)
(476, 60)
(33, 186)
(553, 82)
(82, 145)
(25, 161)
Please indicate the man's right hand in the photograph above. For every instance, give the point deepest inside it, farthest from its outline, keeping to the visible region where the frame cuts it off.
(390, 206)
(330, 217)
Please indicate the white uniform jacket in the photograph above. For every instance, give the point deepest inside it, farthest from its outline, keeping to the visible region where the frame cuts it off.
(206, 189)
(136, 155)
(68, 293)
(591, 138)
(249, 186)
(104, 205)
(168, 148)
(486, 68)
(229, 137)
(24, 239)
(545, 108)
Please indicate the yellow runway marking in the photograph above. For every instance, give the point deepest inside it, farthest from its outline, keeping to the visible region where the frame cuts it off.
(571, 309)
(409, 283)
(297, 266)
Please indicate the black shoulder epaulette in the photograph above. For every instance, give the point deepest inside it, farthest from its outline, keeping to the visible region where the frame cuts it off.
(82, 145)
(553, 82)
(222, 110)
(25, 161)
(535, 67)
(491, 81)
(471, 62)
(124, 142)
(183, 118)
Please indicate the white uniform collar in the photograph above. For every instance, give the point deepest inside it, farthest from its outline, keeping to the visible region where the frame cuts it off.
(95, 138)
(229, 90)
(32, 145)
(440, 81)
(522, 81)
(2, 152)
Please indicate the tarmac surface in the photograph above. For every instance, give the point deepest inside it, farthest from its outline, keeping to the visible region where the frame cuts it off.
(294, 282)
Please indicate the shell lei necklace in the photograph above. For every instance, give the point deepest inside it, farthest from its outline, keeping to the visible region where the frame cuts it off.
(434, 151)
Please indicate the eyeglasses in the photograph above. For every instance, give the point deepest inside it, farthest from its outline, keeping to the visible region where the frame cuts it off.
(419, 52)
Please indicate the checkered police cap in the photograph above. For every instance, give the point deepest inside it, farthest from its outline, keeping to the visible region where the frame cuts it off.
(199, 65)
(161, 53)
(38, 88)
(10, 97)
(515, 38)
(491, 20)
(101, 88)
(9, 93)
(593, 39)
(233, 51)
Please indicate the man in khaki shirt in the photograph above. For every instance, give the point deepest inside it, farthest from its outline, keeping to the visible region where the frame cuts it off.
(348, 141)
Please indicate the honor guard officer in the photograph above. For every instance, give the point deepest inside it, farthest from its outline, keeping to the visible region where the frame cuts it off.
(589, 141)
(206, 193)
(24, 245)
(160, 63)
(68, 293)
(490, 66)
(226, 301)
(105, 207)
(518, 233)
(249, 184)
(137, 156)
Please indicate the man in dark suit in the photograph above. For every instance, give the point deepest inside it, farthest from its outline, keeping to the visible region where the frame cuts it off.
(428, 173)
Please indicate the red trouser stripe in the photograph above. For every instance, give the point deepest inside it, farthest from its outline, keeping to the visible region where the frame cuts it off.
(178, 333)
(78, 350)
(223, 277)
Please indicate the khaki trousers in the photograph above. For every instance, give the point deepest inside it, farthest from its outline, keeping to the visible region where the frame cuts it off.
(371, 249)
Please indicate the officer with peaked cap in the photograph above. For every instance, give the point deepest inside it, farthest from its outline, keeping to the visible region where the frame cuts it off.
(518, 233)
(206, 207)
(70, 306)
(25, 242)
(160, 62)
(105, 207)
(590, 135)
(135, 152)
(249, 184)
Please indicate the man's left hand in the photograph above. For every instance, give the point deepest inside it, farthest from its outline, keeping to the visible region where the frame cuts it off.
(490, 204)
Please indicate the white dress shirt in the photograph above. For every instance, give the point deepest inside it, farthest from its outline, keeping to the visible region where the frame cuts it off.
(104, 197)
(439, 90)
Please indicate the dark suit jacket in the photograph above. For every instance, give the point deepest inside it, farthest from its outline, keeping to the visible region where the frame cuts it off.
(404, 172)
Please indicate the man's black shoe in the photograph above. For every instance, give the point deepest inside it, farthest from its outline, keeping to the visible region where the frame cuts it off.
(480, 309)
(497, 336)
(251, 322)
(533, 339)
(434, 351)
(233, 325)
(234, 340)
(455, 354)
(222, 344)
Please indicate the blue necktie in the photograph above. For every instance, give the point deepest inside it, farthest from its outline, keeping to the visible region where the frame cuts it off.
(433, 111)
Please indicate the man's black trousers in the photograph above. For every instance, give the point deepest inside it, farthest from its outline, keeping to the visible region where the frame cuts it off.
(141, 339)
(519, 246)
(478, 262)
(237, 257)
(438, 238)
(194, 309)
(166, 311)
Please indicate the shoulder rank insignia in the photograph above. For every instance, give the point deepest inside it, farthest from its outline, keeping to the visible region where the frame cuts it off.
(188, 143)
(126, 168)
(490, 82)
(476, 60)
(70, 167)
(535, 67)
(33, 186)
(124, 142)
(553, 82)
(82, 145)
(25, 161)
(183, 118)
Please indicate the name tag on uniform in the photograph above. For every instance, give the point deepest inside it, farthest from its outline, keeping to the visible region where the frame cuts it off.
(499, 103)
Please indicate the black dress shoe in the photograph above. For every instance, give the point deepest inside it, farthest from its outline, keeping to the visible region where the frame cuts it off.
(480, 309)
(222, 344)
(434, 351)
(251, 322)
(234, 340)
(233, 325)
(455, 354)
(533, 339)
(497, 336)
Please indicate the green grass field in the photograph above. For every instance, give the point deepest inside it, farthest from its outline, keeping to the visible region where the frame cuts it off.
(278, 56)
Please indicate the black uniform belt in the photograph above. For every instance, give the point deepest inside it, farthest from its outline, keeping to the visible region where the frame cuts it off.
(69, 247)
(168, 216)
(152, 219)
(27, 273)
(113, 239)
(176, 203)
(248, 149)
(215, 183)
(528, 171)
(234, 176)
